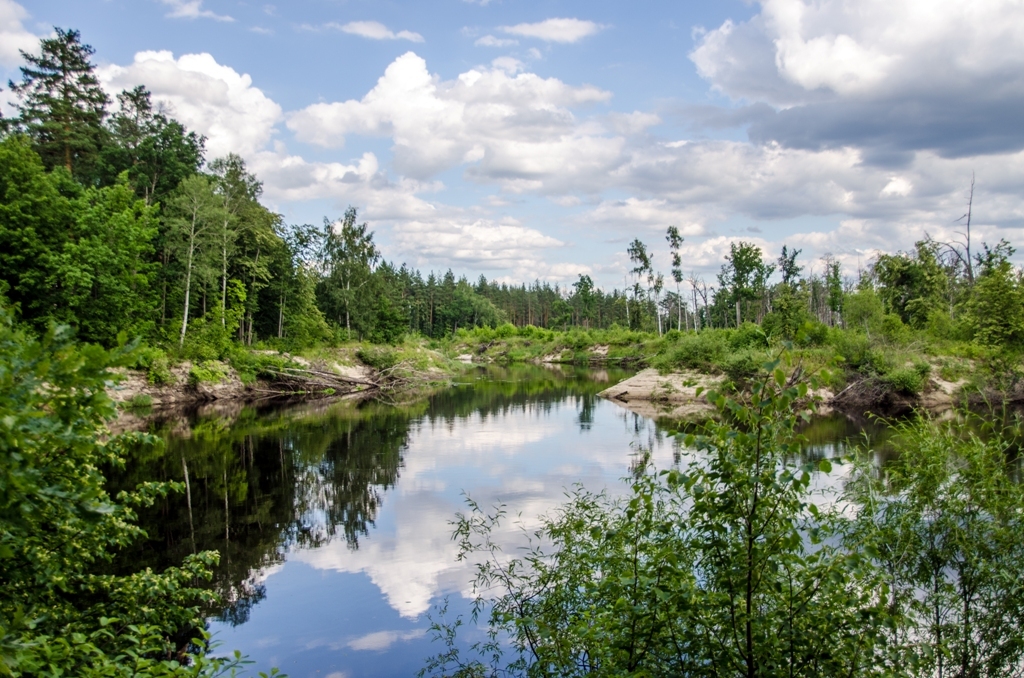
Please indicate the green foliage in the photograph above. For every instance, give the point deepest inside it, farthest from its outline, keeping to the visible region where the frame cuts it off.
(154, 362)
(724, 567)
(702, 352)
(60, 614)
(378, 357)
(905, 380)
(996, 307)
(863, 310)
(911, 285)
(943, 523)
(743, 365)
(61, 103)
(207, 372)
(894, 330)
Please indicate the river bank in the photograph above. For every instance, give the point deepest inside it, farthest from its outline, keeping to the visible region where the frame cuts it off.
(356, 371)
(860, 372)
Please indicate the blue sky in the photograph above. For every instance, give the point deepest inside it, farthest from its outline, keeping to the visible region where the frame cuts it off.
(529, 140)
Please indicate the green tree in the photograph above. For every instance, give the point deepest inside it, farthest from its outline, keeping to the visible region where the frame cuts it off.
(911, 285)
(788, 267)
(61, 104)
(675, 241)
(642, 270)
(349, 256)
(723, 568)
(942, 524)
(744, 275)
(195, 213)
(103, 272)
(996, 304)
(35, 219)
(156, 151)
(239, 192)
(583, 296)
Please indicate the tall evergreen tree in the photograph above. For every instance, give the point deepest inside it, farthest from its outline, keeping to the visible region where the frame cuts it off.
(62, 106)
(156, 151)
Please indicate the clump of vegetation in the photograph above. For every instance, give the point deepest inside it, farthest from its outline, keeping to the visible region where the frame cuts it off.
(155, 363)
(139, 401)
(207, 372)
(379, 358)
(61, 613)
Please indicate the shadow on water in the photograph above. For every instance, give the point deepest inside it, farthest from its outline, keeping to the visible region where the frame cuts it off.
(263, 480)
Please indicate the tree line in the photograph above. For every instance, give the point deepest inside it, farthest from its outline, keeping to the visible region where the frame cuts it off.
(113, 219)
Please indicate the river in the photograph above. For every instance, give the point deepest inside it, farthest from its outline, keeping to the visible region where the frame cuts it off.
(333, 519)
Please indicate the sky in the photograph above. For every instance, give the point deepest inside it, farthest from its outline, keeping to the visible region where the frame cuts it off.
(534, 140)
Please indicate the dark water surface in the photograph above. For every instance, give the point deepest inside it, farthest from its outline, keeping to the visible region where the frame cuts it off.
(333, 519)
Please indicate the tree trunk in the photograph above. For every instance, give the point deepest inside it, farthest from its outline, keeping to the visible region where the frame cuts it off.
(737, 313)
(188, 285)
(224, 278)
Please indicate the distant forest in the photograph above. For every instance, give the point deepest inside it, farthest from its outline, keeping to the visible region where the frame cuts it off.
(112, 219)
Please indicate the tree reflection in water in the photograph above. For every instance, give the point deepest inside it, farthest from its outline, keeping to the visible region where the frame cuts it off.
(261, 481)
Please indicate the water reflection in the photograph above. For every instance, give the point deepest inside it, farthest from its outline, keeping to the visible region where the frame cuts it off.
(333, 518)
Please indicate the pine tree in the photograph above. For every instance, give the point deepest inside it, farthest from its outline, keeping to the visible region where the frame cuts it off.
(62, 104)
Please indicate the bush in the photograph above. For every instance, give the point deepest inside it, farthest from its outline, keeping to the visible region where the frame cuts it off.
(812, 334)
(378, 357)
(154, 362)
(894, 330)
(702, 351)
(505, 331)
(742, 366)
(207, 372)
(62, 613)
(139, 401)
(748, 335)
(906, 380)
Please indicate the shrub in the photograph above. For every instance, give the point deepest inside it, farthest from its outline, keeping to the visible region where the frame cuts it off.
(894, 330)
(812, 334)
(748, 335)
(207, 372)
(378, 357)
(744, 365)
(154, 362)
(702, 351)
(505, 331)
(906, 380)
(139, 401)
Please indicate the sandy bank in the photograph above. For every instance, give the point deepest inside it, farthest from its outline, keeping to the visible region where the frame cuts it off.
(657, 396)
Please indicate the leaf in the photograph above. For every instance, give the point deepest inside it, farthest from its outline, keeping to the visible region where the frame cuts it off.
(825, 466)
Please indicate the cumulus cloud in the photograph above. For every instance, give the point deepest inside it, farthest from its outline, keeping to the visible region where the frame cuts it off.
(192, 9)
(14, 38)
(213, 99)
(555, 30)
(374, 30)
(516, 128)
(889, 76)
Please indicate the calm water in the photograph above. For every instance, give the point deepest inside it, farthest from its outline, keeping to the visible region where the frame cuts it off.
(333, 520)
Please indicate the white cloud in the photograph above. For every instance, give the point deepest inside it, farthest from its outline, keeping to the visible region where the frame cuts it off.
(192, 9)
(14, 38)
(517, 127)
(382, 640)
(478, 244)
(213, 99)
(491, 41)
(374, 30)
(555, 30)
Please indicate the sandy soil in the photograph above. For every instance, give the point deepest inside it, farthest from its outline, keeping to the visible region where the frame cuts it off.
(655, 395)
